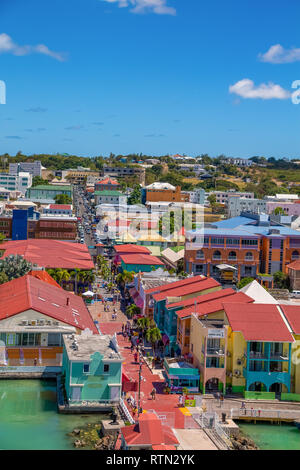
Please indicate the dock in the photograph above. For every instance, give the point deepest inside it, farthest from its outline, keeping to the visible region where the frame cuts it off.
(273, 416)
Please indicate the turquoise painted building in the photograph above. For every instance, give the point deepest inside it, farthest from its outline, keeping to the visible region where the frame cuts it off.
(140, 263)
(92, 366)
(166, 321)
(181, 374)
(268, 366)
(48, 192)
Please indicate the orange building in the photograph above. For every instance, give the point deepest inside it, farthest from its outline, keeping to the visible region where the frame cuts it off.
(165, 192)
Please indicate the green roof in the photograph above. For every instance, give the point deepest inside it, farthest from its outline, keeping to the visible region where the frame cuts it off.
(53, 187)
(108, 193)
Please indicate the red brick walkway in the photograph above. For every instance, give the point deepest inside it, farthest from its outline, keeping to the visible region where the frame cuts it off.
(162, 402)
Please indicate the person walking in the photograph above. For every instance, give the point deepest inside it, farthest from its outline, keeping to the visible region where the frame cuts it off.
(153, 393)
(221, 400)
(180, 401)
(135, 357)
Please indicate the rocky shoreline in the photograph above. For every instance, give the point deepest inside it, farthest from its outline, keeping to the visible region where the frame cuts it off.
(242, 442)
(90, 437)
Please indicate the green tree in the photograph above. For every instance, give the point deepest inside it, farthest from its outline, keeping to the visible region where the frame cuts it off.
(244, 282)
(132, 310)
(279, 211)
(14, 266)
(153, 335)
(281, 280)
(37, 181)
(63, 199)
(135, 197)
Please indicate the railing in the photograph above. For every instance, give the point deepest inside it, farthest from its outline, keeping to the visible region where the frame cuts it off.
(215, 351)
(236, 413)
(209, 423)
(92, 403)
(126, 412)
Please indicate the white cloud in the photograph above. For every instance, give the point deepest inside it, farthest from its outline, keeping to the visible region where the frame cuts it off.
(8, 46)
(247, 89)
(159, 7)
(278, 55)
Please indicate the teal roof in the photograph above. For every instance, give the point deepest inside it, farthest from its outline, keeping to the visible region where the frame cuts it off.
(52, 187)
(108, 193)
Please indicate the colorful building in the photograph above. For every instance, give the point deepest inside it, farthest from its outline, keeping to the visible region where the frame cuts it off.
(165, 318)
(35, 314)
(259, 344)
(250, 243)
(48, 192)
(140, 263)
(92, 365)
(181, 375)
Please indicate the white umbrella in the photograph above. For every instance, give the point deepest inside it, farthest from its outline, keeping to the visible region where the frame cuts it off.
(88, 293)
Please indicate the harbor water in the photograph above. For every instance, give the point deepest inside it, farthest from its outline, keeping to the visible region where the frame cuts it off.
(29, 419)
(272, 436)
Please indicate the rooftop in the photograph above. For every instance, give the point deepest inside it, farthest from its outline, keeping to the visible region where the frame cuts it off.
(190, 288)
(149, 431)
(127, 248)
(258, 322)
(52, 187)
(292, 314)
(28, 292)
(258, 293)
(87, 345)
(50, 253)
(143, 259)
(108, 193)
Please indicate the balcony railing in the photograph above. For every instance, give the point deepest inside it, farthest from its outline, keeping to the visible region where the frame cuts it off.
(257, 355)
(215, 352)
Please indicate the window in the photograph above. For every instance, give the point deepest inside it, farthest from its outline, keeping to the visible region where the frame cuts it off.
(106, 368)
(249, 256)
(295, 254)
(217, 241)
(86, 368)
(249, 242)
(200, 254)
(232, 255)
(217, 255)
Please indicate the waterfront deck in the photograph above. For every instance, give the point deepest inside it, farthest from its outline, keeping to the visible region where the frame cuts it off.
(274, 416)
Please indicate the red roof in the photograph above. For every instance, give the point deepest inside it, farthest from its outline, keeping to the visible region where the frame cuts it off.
(51, 253)
(214, 305)
(202, 298)
(44, 276)
(99, 244)
(65, 207)
(128, 248)
(140, 258)
(292, 314)
(149, 431)
(108, 181)
(28, 292)
(295, 265)
(172, 285)
(258, 322)
(202, 284)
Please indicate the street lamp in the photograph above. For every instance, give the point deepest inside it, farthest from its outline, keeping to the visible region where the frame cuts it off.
(140, 379)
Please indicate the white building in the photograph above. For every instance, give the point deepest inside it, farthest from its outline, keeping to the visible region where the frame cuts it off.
(236, 205)
(223, 196)
(18, 182)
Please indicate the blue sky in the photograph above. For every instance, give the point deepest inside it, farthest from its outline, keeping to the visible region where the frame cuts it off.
(90, 77)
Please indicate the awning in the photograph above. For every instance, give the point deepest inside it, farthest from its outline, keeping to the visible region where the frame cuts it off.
(223, 267)
(88, 294)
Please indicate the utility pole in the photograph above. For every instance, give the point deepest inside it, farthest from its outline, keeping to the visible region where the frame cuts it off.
(140, 379)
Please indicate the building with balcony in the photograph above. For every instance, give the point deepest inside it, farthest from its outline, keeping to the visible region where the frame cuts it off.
(259, 344)
(35, 314)
(250, 243)
(165, 318)
(125, 171)
(203, 305)
(16, 182)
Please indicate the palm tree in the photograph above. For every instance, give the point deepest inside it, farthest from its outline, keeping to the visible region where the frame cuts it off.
(152, 336)
(132, 310)
(62, 275)
(143, 323)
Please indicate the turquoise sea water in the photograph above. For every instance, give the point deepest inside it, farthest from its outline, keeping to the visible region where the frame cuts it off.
(272, 437)
(29, 418)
